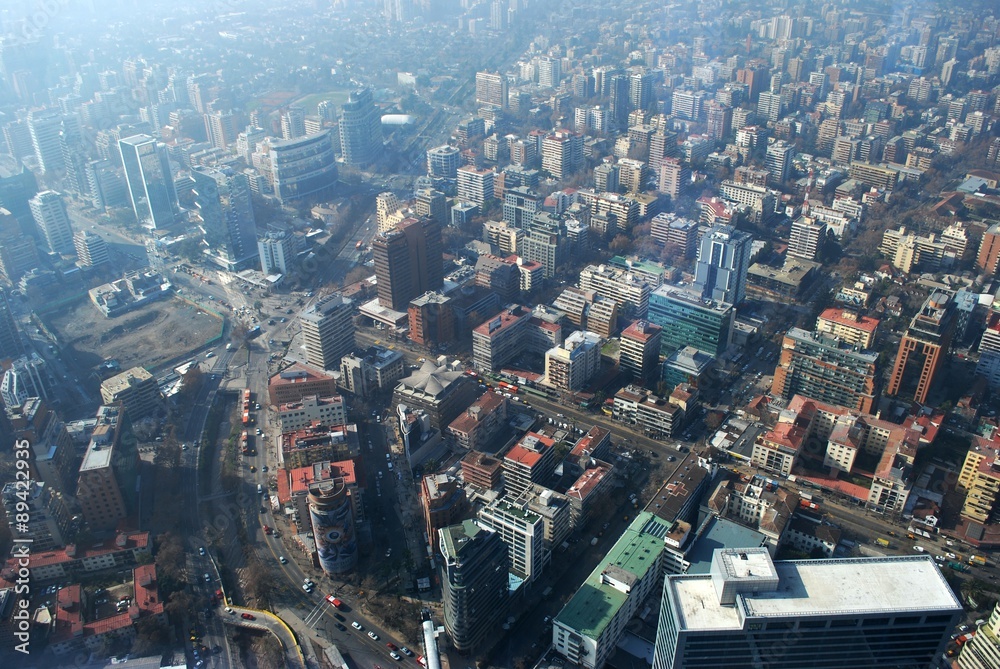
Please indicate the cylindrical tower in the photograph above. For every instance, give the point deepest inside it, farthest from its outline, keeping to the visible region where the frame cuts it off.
(333, 526)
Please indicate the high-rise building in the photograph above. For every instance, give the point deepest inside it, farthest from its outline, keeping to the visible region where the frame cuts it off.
(91, 249)
(769, 106)
(430, 203)
(222, 200)
(303, 167)
(573, 364)
(293, 123)
(443, 501)
(49, 212)
(807, 238)
(587, 629)
(720, 121)
(221, 128)
(443, 162)
(723, 261)
(17, 186)
(549, 72)
(778, 161)
(827, 369)
(923, 348)
(408, 262)
(562, 153)
(988, 258)
(332, 516)
(491, 89)
(11, 345)
(328, 330)
(475, 185)
(520, 204)
(106, 490)
(674, 176)
(46, 128)
(150, 182)
(431, 319)
(135, 389)
(689, 319)
(983, 650)
(276, 253)
(755, 612)
(640, 350)
(531, 460)
(680, 233)
(523, 532)
(360, 129)
(474, 583)
(848, 325)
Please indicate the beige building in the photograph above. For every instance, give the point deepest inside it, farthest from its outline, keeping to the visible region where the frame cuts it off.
(136, 389)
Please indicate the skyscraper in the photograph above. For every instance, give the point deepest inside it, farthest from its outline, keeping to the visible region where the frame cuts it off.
(49, 212)
(688, 319)
(222, 198)
(408, 262)
(723, 261)
(45, 127)
(293, 123)
(640, 350)
(562, 153)
(474, 583)
(443, 161)
(328, 330)
(221, 128)
(922, 348)
(91, 249)
(303, 167)
(779, 161)
(524, 533)
(150, 183)
(11, 345)
(750, 611)
(360, 129)
(491, 89)
(107, 487)
(330, 511)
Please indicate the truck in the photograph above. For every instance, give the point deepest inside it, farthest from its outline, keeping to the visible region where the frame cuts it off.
(958, 566)
(977, 560)
(965, 637)
(882, 542)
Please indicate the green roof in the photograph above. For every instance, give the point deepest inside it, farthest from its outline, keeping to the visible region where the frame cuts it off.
(595, 604)
(455, 538)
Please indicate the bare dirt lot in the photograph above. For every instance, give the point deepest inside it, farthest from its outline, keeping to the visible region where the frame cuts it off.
(146, 337)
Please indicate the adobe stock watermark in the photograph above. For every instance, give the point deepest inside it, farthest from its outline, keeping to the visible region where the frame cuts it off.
(21, 616)
(39, 18)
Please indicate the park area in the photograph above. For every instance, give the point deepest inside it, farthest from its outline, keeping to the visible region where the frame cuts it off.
(150, 336)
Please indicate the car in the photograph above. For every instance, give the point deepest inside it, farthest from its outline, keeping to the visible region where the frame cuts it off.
(394, 655)
(208, 579)
(210, 354)
(356, 625)
(388, 552)
(391, 646)
(372, 635)
(339, 617)
(340, 627)
(264, 468)
(248, 616)
(951, 556)
(407, 651)
(282, 560)
(253, 469)
(307, 588)
(216, 650)
(229, 610)
(184, 447)
(201, 550)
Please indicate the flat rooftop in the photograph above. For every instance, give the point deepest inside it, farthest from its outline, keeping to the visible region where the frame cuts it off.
(856, 586)
(596, 604)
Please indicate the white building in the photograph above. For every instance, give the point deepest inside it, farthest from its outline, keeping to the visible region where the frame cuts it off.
(855, 613)
(524, 533)
(570, 366)
(301, 414)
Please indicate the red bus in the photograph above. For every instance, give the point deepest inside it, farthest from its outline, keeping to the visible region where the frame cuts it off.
(246, 417)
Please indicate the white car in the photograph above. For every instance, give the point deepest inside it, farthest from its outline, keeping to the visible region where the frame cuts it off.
(356, 625)
(372, 635)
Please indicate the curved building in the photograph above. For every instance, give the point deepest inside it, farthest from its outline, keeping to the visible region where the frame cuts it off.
(443, 162)
(333, 526)
(303, 167)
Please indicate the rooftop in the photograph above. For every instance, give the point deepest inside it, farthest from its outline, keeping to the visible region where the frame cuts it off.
(431, 379)
(596, 603)
(502, 321)
(820, 588)
(849, 318)
(125, 380)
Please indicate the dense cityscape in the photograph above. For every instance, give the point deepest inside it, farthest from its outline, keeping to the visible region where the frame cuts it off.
(500, 333)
